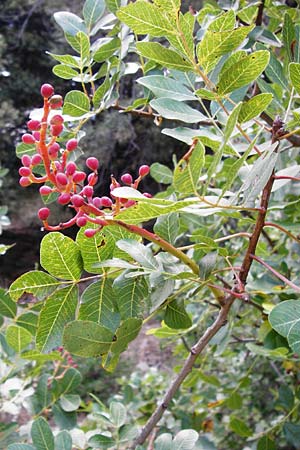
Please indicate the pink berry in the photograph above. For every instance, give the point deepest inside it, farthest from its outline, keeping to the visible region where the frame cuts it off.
(36, 135)
(24, 171)
(57, 120)
(71, 168)
(81, 222)
(146, 194)
(56, 101)
(36, 159)
(24, 181)
(114, 186)
(90, 232)
(88, 191)
(126, 178)
(56, 129)
(26, 160)
(47, 90)
(77, 200)
(92, 179)
(53, 150)
(45, 190)
(28, 138)
(63, 199)
(62, 179)
(78, 177)
(92, 163)
(44, 213)
(58, 166)
(33, 125)
(129, 203)
(97, 202)
(106, 202)
(144, 170)
(71, 145)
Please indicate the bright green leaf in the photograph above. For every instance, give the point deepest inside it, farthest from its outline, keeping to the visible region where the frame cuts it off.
(101, 441)
(35, 282)
(265, 443)
(294, 71)
(113, 5)
(176, 110)
(92, 11)
(17, 337)
(106, 50)
(127, 332)
(224, 22)
(176, 315)
(254, 107)
(239, 427)
(188, 170)
(285, 319)
(65, 72)
(162, 86)
(70, 402)
(76, 104)
(167, 227)
(69, 22)
(8, 308)
(163, 56)
(117, 413)
(161, 173)
(131, 294)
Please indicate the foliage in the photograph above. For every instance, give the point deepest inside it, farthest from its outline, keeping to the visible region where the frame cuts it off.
(219, 267)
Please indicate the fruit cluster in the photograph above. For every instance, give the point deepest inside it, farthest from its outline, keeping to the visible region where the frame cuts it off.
(62, 177)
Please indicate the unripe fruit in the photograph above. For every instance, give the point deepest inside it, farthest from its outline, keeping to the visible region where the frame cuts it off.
(36, 135)
(56, 129)
(81, 222)
(45, 190)
(92, 163)
(24, 171)
(47, 90)
(62, 179)
(63, 199)
(36, 159)
(88, 191)
(78, 177)
(106, 202)
(53, 150)
(57, 120)
(90, 232)
(77, 200)
(44, 213)
(126, 178)
(33, 125)
(26, 160)
(56, 101)
(24, 181)
(114, 186)
(58, 166)
(92, 179)
(71, 168)
(144, 170)
(146, 194)
(28, 139)
(129, 203)
(71, 145)
(97, 202)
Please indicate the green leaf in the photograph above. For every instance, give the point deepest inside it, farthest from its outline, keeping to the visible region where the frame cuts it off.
(117, 413)
(69, 382)
(8, 308)
(167, 227)
(58, 310)
(292, 433)
(28, 321)
(170, 6)
(185, 440)
(95, 249)
(145, 18)
(63, 441)
(188, 170)
(87, 339)
(274, 71)
(139, 252)
(113, 5)
(163, 56)
(93, 11)
(217, 43)
(70, 402)
(235, 401)
(68, 60)
(131, 294)
(40, 358)
(294, 72)
(64, 420)
(161, 173)
(25, 149)
(162, 86)
(98, 304)
(17, 337)
(164, 442)
(41, 435)
(76, 104)
(176, 315)
(224, 22)
(288, 35)
(35, 282)
(175, 110)
(100, 92)
(60, 256)
(265, 443)
(84, 47)
(65, 72)
(243, 72)
(42, 392)
(239, 427)
(69, 22)
(254, 107)
(127, 332)
(20, 447)
(101, 441)
(106, 50)
(285, 319)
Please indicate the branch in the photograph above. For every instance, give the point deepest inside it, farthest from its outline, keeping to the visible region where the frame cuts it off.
(186, 369)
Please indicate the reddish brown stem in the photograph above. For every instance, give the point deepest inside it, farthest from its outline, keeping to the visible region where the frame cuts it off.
(284, 230)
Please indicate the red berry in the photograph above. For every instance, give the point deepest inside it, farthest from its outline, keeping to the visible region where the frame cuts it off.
(90, 232)
(24, 181)
(57, 120)
(47, 90)
(24, 171)
(26, 160)
(33, 125)
(77, 200)
(36, 135)
(62, 179)
(28, 139)
(106, 202)
(81, 221)
(45, 190)
(53, 150)
(129, 203)
(63, 199)
(92, 179)
(126, 178)
(58, 166)
(44, 213)
(88, 191)
(71, 168)
(71, 145)
(36, 159)
(56, 129)
(144, 170)
(56, 101)
(78, 177)
(146, 194)
(92, 163)
(114, 186)
(97, 202)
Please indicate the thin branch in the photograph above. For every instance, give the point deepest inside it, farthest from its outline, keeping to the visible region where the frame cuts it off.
(259, 17)
(25, 23)
(287, 232)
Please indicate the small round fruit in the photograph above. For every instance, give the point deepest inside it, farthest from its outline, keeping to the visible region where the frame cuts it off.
(47, 90)
(88, 191)
(106, 202)
(56, 129)
(77, 200)
(24, 181)
(90, 232)
(44, 213)
(57, 120)
(26, 160)
(62, 179)
(28, 139)
(92, 163)
(34, 125)
(78, 177)
(144, 170)
(36, 159)
(71, 168)
(64, 199)
(45, 190)
(126, 178)
(81, 222)
(71, 145)
(24, 171)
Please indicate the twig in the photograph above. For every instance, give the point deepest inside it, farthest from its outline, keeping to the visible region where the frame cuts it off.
(259, 17)
(25, 23)
(287, 232)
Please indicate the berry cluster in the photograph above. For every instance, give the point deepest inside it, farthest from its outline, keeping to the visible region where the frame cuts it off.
(62, 177)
